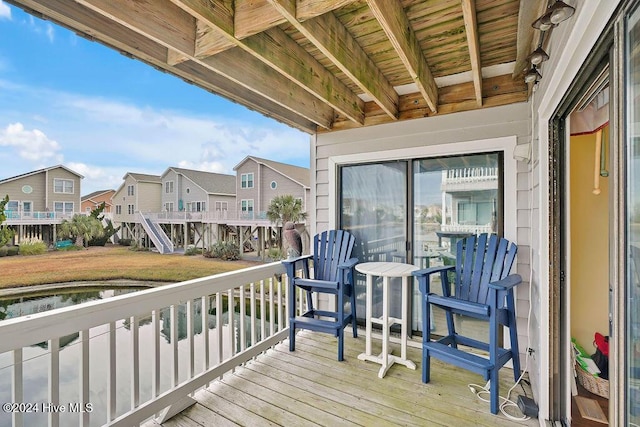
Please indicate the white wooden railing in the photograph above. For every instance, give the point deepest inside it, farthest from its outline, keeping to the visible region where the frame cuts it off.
(19, 217)
(259, 291)
(468, 228)
(175, 216)
(462, 175)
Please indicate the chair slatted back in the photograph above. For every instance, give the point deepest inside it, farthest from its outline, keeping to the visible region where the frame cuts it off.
(332, 248)
(481, 260)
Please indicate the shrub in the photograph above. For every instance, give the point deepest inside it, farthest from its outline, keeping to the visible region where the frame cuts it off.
(4, 250)
(227, 251)
(124, 242)
(33, 247)
(275, 254)
(192, 250)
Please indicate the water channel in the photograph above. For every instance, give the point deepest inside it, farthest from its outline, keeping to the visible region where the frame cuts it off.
(36, 358)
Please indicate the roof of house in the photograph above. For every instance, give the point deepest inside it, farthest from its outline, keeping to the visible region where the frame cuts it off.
(211, 182)
(35, 172)
(96, 194)
(298, 174)
(143, 177)
(140, 177)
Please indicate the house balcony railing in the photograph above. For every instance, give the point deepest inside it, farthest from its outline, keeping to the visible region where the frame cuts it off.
(467, 228)
(462, 175)
(248, 216)
(127, 388)
(40, 217)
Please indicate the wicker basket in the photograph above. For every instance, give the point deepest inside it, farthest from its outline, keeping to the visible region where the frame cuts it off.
(595, 385)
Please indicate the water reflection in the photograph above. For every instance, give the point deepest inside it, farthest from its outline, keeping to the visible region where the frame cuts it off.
(36, 358)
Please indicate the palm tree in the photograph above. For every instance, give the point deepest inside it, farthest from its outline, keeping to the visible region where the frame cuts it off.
(82, 228)
(285, 208)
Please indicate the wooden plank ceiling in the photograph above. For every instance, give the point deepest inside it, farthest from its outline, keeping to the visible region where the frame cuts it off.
(322, 65)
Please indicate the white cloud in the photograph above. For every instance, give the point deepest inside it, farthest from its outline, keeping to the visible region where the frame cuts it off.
(102, 139)
(45, 29)
(5, 11)
(50, 32)
(32, 145)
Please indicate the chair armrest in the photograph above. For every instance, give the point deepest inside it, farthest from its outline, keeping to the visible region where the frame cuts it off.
(506, 283)
(350, 263)
(431, 270)
(294, 260)
(424, 277)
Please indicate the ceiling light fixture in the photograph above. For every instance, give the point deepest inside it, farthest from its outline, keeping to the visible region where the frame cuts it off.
(532, 75)
(560, 11)
(538, 56)
(555, 14)
(544, 22)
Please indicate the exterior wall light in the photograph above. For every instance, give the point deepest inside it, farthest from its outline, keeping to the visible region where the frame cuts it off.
(532, 75)
(538, 56)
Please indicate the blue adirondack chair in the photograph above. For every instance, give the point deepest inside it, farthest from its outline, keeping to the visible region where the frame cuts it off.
(482, 289)
(333, 274)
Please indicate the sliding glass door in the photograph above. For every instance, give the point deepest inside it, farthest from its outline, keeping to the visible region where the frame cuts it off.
(631, 376)
(415, 211)
(373, 207)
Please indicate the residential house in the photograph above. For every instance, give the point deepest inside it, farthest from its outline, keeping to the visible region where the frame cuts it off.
(419, 87)
(259, 180)
(188, 190)
(194, 204)
(138, 193)
(40, 200)
(93, 200)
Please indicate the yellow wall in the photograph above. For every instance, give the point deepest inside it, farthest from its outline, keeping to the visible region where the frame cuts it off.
(589, 240)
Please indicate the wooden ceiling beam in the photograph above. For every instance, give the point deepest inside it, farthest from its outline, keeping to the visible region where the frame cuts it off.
(221, 13)
(142, 17)
(307, 9)
(97, 27)
(254, 16)
(330, 36)
(471, 28)
(276, 49)
(395, 23)
(499, 90)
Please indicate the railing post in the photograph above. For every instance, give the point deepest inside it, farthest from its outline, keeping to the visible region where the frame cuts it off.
(17, 387)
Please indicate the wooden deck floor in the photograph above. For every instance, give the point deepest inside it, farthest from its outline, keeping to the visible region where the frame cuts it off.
(310, 387)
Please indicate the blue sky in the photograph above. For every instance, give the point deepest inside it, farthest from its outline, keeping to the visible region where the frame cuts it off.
(65, 100)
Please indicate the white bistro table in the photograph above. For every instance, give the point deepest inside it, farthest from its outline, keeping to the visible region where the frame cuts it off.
(387, 270)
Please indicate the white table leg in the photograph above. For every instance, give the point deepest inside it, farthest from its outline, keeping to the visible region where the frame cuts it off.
(403, 322)
(368, 314)
(385, 327)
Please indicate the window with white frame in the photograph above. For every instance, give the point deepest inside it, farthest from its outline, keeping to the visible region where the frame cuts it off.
(246, 206)
(246, 180)
(168, 187)
(118, 209)
(168, 206)
(195, 206)
(63, 186)
(130, 190)
(130, 209)
(63, 207)
(222, 206)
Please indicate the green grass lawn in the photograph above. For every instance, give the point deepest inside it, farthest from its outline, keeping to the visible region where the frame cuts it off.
(108, 263)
